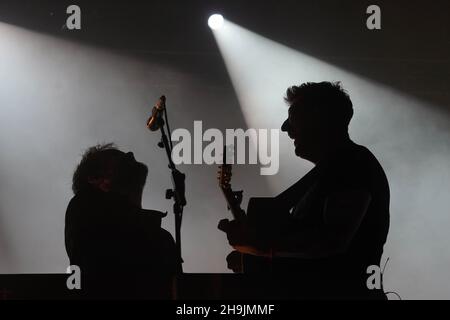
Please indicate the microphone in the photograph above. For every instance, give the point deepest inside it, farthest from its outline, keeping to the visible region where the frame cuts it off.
(156, 121)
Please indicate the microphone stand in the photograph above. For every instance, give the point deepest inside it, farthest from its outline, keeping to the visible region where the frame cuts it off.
(178, 191)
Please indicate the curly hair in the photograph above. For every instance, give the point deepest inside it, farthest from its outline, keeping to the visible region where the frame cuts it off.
(329, 99)
(95, 163)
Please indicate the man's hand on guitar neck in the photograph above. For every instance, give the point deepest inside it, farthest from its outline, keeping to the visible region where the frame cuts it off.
(243, 238)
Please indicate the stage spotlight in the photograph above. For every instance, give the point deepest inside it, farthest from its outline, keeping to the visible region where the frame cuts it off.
(215, 21)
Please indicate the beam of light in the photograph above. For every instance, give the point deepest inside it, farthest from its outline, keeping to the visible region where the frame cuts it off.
(57, 98)
(409, 137)
(215, 21)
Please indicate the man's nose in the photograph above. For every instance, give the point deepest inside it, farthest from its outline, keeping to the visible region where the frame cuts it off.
(130, 155)
(285, 126)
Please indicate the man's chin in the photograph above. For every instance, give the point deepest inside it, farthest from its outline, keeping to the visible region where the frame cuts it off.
(299, 152)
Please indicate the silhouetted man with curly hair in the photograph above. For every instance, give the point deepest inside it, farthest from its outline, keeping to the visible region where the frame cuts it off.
(120, 248)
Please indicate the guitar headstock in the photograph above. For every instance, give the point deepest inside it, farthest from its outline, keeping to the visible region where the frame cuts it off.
(224, 176)
(234, 198)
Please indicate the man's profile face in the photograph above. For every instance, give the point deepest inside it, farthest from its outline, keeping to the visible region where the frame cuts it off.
(303, 128)
(129, 175)
(122, 173)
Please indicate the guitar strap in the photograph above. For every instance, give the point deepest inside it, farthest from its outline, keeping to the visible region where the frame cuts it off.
(289, 198)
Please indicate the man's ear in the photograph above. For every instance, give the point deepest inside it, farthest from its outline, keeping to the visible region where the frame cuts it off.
(103, 184)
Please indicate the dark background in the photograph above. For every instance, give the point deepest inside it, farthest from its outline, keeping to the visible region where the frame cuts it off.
(411, 51)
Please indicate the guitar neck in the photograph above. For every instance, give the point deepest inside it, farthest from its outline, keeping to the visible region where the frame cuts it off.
(236, 211)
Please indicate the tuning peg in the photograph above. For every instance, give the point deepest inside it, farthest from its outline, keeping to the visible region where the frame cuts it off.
(169, 194)
(238, 195)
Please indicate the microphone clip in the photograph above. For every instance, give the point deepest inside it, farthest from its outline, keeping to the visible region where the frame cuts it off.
(156, 119)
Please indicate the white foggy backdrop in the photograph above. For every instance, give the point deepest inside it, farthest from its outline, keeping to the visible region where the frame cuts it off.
(57, 98)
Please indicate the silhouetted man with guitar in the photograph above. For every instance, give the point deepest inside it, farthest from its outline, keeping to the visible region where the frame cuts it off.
(325, 230)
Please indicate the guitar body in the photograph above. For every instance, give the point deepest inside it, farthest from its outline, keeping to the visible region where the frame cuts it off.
(266, 215)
